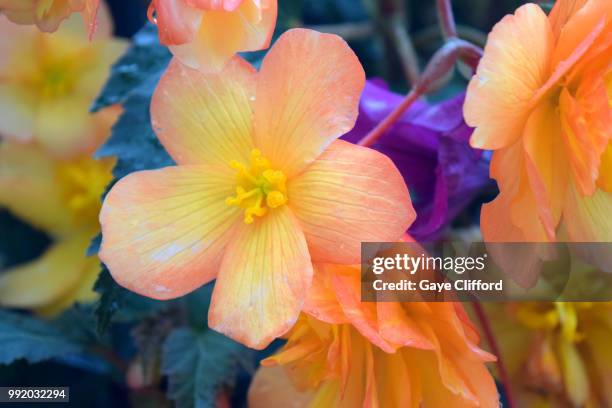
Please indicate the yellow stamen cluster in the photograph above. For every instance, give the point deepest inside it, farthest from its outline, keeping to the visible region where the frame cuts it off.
(259, 187)
(553, 316)
(82, 182)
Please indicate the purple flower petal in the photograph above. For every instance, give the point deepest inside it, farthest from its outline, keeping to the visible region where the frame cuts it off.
(430, 146)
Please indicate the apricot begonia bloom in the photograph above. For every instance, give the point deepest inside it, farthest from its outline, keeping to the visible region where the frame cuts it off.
(205, 34)
(69, 191)
(48, 14)
(542, 99)
(385, 354)
(261, 187)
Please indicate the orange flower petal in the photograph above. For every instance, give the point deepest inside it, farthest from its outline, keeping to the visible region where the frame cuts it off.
(399, 327)
(271, 386)
(546, 164)
(586, 130)
(263, 280)
(562, 12)
(177, 22)
(247, 28)
(321, 301)
(581, 30)
(588, 218)
(349, 195)
(515, 65)
(362, 315)
(164, 230)
(307, 95)
(226, 5)
(515, 203)
(605, 173)
(205, 118)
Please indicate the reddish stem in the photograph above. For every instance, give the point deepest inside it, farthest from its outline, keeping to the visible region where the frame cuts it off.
(447, 20)
(380, 129)
(504, 377)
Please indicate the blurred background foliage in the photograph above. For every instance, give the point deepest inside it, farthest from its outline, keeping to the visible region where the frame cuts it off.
(130, 351)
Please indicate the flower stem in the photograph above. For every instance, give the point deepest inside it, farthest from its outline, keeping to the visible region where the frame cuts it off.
(380, 129)
(501, 367)
(447, 20)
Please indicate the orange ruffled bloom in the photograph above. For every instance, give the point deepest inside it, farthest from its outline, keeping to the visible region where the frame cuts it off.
(261, 187)
(48, 81)
(558, 354)
(205, 34)
(542, 99)
(384, 354)
(48, 14)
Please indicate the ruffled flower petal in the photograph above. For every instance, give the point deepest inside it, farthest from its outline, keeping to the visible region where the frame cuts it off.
(515, 65)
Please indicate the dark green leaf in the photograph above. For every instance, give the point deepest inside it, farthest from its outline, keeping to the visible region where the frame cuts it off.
(25, 337)
(199, 363)
(119, 304)
(145, 58)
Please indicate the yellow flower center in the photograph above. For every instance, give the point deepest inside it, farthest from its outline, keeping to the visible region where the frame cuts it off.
(82, 183)
(259, 187)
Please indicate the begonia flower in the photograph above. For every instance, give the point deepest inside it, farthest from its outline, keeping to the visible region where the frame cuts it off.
(47, 15)
(429, 145)
(261, 188)
(61, 198)
(385, 354)
(206, 34)
(48, 82)
(542, 100)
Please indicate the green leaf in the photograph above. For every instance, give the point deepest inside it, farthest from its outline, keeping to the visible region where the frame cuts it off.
(133, 141)
(146, 57)
(199, 363)
(25, 337)
(119, 304)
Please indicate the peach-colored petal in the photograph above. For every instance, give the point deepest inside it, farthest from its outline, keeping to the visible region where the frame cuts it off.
(307, 95)
(349, 195)
(164, 230)
(263, 280)
(205, 118)
(581, 29)
(246, 29)
(225, 5)
(90, 14)
(515, 65)
(605, 173)
(588, 218)
(271, 386)
(321, 301)
(177, 22)
(515, 203)
(397, 326)
(586, 122)
(362, 315)
(546, 164)
(562, 12)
